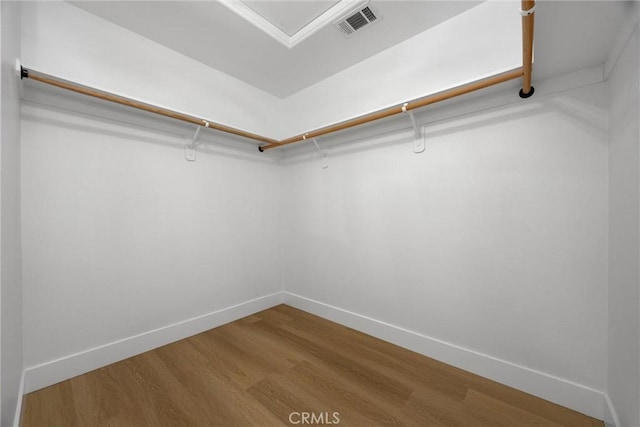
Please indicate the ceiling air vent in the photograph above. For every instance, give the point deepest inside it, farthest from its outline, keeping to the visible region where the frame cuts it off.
(357, 20)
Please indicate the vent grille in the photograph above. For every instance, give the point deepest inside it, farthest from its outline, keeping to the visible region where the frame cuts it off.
(357, 20)
(369, 14)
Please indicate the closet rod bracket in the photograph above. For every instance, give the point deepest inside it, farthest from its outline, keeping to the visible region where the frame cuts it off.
(190, 148)
(324, 158)
(418, 139)
(528, 12)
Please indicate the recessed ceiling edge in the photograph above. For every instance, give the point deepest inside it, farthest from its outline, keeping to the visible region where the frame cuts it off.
(340, 10)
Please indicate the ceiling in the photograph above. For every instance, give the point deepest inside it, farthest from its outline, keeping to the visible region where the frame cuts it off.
(283, 47)
(215, 34)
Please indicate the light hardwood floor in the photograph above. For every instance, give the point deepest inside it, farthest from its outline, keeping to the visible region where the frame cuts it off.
(280, 363)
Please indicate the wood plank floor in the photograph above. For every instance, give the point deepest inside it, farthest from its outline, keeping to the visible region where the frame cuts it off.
(270, 368)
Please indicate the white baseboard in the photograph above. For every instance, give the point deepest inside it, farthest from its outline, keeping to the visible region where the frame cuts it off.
(563, 392)
(49, 373)
(18, 414)
(610, 415)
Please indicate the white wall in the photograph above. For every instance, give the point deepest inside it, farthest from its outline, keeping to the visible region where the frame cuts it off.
(122, 236)
(624, 231)
(10, 262)
(68, 42)
(494, 239)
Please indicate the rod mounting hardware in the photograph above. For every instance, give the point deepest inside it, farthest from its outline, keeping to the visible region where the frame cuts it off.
(528, 12)
(324, 158)
(418, 139)
(190, 148)
(526, 95)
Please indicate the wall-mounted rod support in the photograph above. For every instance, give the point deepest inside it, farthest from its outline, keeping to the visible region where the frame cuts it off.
(54, 81)
(414, 124)
(411, 105)
(190, 148)
(194, 140)
(324, 158)
(418, 140)
(528, 15)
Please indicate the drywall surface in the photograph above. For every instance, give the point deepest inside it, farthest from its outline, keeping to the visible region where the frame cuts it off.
(480, 42)
(10, 264)
(624, 235)
(122, 236)
(494, 239)
(65, 41)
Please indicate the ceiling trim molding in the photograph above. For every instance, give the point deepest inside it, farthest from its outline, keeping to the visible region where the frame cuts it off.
(331, 15)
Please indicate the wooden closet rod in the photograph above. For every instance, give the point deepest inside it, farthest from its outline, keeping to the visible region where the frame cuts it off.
(400, 108)
(45, 78)
(527, 12)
